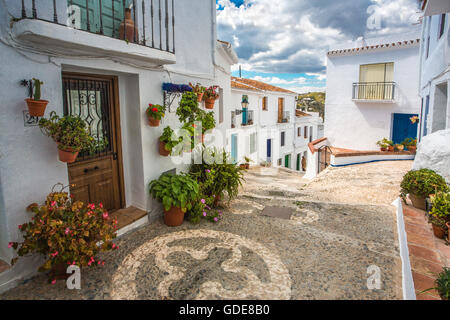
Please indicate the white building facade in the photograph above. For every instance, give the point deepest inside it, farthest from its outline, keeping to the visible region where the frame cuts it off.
(372, 92)
(435, 68)
(91, 66)
(272, 131)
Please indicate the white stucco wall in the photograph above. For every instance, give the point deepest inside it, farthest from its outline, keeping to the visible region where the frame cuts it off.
(359, 125)
(29, 164)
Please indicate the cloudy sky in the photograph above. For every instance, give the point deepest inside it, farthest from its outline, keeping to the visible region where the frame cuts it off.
(284, 42)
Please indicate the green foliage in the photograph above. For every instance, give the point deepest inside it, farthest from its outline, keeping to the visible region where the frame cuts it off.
(422, 183)
(211, 93)
(188, 108)
(168, 137)
(175, 191)
(37, 89)
(409, 142)
(207, 120)
(69, 132)
(198, 88)
(66, 232)
(442, 284)
(385, 143)
(441, 205)
(227, 177)
(247, 159)
(156, 111)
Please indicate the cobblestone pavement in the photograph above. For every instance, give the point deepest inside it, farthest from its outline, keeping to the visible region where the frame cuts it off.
(323, 251)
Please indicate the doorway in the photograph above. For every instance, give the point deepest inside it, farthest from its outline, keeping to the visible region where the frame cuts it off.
(97, 176)
(403, 128)
(269, 150)
(287, 161)
(234, 148)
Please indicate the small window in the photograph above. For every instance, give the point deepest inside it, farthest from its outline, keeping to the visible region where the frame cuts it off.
(264, 104)
(253, 142)
(441, 25)
(305, 134)
(282, 138)
(299, 131)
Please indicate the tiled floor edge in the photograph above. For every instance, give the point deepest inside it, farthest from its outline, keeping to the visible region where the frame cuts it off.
(407, 279)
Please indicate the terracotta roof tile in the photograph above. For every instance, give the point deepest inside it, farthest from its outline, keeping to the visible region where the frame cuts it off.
(387, 45)
(299, 113)
(243, 83)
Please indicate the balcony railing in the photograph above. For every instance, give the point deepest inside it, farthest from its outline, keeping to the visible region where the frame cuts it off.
(374, 91)
(284, 117)
(153, 20)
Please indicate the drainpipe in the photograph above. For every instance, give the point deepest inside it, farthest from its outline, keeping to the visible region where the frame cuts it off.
(214, 36)
(422, 45)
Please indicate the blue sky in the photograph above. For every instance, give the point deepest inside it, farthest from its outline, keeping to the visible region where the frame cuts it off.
(284, 42)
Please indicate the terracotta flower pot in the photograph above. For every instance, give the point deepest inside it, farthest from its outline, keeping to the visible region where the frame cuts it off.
(153, 122)
(438, 232)
(209, 103)
(417, 201)
(162, 149)
(36, 108)
(242, 166)
(68, 156)
(128, 29)
(174, 217)
(59, 272)
(200, 96)
(412, 149)
(247, 166)
(390, 148)
(382, 149)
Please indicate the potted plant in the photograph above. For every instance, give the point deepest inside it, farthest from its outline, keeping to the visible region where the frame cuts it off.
(167, 142)
(383, 144)
(188, 107)
(410, 144)
(398, 147)
(207, 120)
(177, 192)
(442, 284)
(210, 97)
(36, 106)
(66, 232)
(70, 134)
(440, 213)
(419, 184)
(155, 113)
(247, 162)
(199, 90)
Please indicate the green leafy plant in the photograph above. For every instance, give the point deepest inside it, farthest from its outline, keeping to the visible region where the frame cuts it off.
(247, 159)
(211, 93)
(188, 108)
(409, 142)
(442, 284)
(441, 205)
(207, 120)
(66, 232)
(69, 132)
(198, 88)
(227, 177)
(156, 111)
(384, 143)
(422, 183)
(175, 190)
(168, 138)
(37, 89)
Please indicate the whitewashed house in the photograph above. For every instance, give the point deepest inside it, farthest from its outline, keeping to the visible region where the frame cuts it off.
(372, 92)
(434, 65)
(87, 66)
(268, 129)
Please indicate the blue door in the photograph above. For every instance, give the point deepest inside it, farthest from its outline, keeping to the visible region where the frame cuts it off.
(403, 128)
(234, 147)
(269, 150)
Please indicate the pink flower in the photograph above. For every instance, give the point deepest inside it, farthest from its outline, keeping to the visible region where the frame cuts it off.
(54, 254)
(100, 205)
(216, 219)
(103, 263)
(204, 213)
(203, 201)
(105, 215)
(113, 245)
(54, 281)
(53, 203)
(67, 231)
(10, 245)
(20, 226)
(91, 206)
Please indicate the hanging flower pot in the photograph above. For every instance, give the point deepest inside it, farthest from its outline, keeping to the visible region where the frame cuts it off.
(200, 96)
(36, 108)
(210, 97)
(68, 156)
(155, 113)
(162, 149)
(209, 103)
(153, 122)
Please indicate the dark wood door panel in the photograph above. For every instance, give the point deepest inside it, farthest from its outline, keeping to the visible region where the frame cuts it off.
(80, 192)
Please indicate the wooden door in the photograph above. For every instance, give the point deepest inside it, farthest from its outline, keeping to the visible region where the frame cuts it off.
(96, 177)
(280, 109)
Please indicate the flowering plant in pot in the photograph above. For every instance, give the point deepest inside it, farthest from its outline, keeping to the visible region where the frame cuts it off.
(440, 213)
(385, 144)
(247, 162)
(177, 192)
(167, 141)
(36, 106)
(398, 147)
(410, 144)
(66, 232)
(419, 184)
(199, 90)
(210, 96)
(70, 133)
(155, 113)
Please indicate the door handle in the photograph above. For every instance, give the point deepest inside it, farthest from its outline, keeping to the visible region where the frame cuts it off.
(92, 169)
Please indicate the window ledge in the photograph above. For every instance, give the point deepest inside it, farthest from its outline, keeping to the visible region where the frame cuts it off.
(72, 42)
(373, 101)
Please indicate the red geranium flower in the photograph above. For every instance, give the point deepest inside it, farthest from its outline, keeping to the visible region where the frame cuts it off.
(155, 109)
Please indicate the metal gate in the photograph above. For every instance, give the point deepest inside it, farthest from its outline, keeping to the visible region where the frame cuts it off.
(324, 158)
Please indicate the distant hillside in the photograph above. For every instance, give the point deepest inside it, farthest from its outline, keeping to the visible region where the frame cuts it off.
(312, 101)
